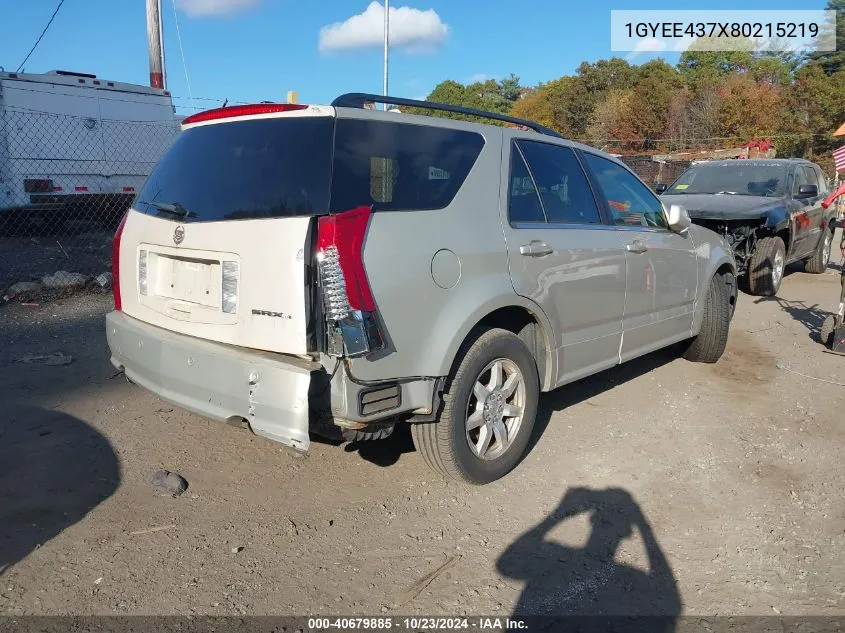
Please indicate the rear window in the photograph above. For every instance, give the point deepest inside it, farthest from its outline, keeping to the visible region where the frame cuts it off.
(400, 166)
(263, 168)
(286, 167)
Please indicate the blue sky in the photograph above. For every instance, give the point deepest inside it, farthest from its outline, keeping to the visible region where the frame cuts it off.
(253, 50)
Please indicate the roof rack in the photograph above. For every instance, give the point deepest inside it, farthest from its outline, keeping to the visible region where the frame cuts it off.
(358, 99)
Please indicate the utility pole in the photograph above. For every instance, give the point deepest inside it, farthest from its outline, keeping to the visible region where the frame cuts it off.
(155, 45)
(386, 43)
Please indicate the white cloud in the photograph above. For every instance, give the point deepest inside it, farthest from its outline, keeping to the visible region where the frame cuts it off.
(414, 30)
(478, 77)
(646, 45)
(683, 44)
(199, 8)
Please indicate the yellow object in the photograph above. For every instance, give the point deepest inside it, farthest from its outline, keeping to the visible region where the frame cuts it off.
(681, 186)
(292, 96)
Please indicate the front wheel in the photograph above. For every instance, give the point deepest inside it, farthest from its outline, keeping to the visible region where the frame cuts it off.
(765, 270)
(709, 344)
(817, 263)
(489, 407)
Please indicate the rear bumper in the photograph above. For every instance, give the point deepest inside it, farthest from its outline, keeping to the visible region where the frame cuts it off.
(217, 381)
(281, 397)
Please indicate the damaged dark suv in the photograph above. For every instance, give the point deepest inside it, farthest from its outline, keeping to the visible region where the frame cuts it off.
(768, 210)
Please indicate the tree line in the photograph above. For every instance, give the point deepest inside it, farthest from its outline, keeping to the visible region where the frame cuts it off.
(709, 99)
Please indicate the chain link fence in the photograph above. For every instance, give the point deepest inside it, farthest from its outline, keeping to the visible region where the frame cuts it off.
(653, 171)
(65, 183)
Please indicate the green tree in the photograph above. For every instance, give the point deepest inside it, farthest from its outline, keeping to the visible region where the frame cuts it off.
(780, 50)
(489, 95)
(510, 89)
(772, 70)
(607, 74)
(813, 107)
(833, 61)
(699, 64)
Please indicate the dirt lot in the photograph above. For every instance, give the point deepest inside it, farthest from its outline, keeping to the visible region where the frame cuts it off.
(661, 486)
(30, 258)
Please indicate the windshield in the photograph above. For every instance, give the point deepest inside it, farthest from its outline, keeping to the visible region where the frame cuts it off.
(740, 179)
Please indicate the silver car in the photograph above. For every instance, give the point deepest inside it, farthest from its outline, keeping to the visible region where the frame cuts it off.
(340, 270)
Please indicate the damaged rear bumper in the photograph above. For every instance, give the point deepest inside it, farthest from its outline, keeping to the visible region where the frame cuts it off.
(281, 397)
(221, 382)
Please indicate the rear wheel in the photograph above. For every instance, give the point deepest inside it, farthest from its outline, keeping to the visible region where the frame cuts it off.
(709, 344)
(489, 406)
(819, 260)
(765, 270)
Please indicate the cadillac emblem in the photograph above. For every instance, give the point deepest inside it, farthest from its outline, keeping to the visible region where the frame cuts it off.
(179, 234)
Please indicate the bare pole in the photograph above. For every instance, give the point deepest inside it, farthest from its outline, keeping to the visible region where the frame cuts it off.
(154, 44)
(386, 43)
(161, 48)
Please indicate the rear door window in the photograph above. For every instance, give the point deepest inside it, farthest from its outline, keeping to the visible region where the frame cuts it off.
(261, 168)
(563, 187)
(400, 166)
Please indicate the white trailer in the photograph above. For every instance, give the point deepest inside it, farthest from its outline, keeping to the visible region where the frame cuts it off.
(76, 144)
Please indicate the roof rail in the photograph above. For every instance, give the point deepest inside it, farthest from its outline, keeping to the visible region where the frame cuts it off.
(357, 100)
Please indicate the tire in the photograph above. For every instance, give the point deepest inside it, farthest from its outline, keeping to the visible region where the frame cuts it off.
(731, 287)
(378, 432)
(709, 344)
(765, 270)
(818, 262)
(826, 330)
(445, 444)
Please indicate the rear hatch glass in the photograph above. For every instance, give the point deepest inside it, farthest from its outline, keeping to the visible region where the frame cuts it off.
(301, 166)
(265, 168)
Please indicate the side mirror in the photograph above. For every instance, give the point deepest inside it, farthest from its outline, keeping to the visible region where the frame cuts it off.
(807, 191)
(660, 187)
(678, 218)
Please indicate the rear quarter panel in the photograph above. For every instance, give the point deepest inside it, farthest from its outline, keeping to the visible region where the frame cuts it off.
(425, 323)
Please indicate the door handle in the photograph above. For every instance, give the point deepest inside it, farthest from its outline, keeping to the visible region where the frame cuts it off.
(636, 247)
(535, 249)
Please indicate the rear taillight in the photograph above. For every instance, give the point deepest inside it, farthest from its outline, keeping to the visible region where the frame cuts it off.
(348, 302)
(115, 263)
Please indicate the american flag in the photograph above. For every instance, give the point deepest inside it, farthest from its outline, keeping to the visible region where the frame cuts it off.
(839, 158)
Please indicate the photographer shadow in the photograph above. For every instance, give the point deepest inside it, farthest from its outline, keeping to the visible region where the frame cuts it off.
(587, 581)
(54, 470)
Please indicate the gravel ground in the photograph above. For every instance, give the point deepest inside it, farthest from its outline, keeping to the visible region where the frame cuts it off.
(661, 486)
(30, 258)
